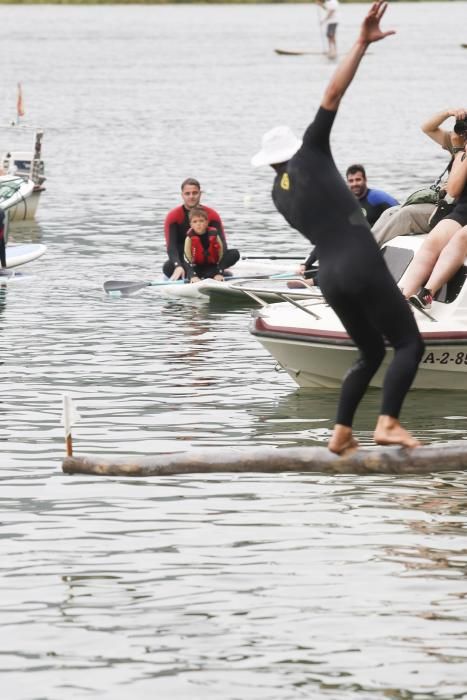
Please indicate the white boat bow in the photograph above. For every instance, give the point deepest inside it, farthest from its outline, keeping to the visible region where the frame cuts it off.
(316, 351)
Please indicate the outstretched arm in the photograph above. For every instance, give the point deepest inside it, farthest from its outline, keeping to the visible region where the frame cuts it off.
(432, 127)
(369, 33)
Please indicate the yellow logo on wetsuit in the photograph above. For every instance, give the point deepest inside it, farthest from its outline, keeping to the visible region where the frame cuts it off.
(285, 182)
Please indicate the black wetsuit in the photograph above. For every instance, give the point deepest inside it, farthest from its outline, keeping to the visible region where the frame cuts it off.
(355, 281)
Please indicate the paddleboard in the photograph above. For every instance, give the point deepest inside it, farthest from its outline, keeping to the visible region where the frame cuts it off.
(270, 291)
(298, 52)
(204, 288)
(21, 254)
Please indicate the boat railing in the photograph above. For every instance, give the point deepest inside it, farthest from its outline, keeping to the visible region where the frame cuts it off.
(301, 298)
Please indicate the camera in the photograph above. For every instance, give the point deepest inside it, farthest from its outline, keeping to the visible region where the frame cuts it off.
(460, 127)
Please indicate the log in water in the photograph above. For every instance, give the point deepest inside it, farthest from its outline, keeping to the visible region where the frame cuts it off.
(451, 456)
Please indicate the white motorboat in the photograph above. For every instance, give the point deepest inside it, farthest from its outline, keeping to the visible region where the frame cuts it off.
(18, 162)
(310, 344)
(15, 191)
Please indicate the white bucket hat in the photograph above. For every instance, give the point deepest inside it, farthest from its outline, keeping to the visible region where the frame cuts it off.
(277, 146)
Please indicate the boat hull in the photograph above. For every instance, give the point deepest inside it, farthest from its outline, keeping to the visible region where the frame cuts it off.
(310, 343)
(324, 366)
(25, 210)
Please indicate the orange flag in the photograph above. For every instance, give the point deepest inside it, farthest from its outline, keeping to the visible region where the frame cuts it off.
(19, 103)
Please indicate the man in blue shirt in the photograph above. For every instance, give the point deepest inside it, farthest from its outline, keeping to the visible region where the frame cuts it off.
(373, 202)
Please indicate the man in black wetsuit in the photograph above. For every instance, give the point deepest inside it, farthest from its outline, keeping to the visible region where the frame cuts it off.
(313, 197)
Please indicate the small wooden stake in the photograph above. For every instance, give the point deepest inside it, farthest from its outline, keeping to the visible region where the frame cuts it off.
(69, 445)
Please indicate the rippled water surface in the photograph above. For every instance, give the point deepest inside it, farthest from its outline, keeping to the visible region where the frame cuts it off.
(262, 587)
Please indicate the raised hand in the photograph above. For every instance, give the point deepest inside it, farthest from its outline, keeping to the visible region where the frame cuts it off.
(370, 31)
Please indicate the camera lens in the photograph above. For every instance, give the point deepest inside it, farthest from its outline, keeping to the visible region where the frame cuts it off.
(460, 127)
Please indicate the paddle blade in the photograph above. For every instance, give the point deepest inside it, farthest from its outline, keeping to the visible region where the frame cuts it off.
(123, 287)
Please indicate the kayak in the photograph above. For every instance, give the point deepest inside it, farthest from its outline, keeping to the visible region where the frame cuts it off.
(20, 254)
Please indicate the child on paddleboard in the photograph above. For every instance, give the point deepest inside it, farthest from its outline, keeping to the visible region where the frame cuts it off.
(204, 249)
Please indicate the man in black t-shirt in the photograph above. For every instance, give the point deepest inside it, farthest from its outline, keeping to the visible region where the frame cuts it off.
(313, 197)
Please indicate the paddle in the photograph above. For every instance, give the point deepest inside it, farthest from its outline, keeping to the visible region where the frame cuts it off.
(130, 287)
(273, 257)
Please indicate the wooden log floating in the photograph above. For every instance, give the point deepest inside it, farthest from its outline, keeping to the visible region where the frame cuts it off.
(450, 456)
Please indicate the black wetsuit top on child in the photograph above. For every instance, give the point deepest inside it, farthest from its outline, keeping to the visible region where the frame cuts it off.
(313, 197)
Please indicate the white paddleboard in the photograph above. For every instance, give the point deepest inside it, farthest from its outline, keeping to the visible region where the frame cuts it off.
(21, 254)
(182, 291)
(299, 52)
(270, 291)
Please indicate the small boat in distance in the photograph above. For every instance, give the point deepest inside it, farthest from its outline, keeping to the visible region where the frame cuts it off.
(15, 191)
(18, 162)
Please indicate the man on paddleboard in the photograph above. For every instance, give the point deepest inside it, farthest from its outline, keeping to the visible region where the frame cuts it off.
(314, 198)
(177, 224)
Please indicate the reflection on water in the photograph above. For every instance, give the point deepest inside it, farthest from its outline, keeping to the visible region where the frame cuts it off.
(271, 587)
(264, 581)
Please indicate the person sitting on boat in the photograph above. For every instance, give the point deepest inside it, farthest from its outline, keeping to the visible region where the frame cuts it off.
(409, 219)
(176, 226)
(444, 250)
(204, 250)
(354, 278)
(372, 201)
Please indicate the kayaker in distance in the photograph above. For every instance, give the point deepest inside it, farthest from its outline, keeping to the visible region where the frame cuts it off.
(313, 197)
(176, 226)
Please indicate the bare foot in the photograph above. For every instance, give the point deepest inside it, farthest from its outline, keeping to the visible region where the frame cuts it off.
(389, 431)
(342, 441)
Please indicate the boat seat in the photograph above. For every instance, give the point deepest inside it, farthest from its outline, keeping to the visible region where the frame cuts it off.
(450, 291)
(398, 260)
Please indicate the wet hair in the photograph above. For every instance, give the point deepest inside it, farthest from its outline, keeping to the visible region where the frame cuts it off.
(190, 181)
(198, 212)
(354, 169)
